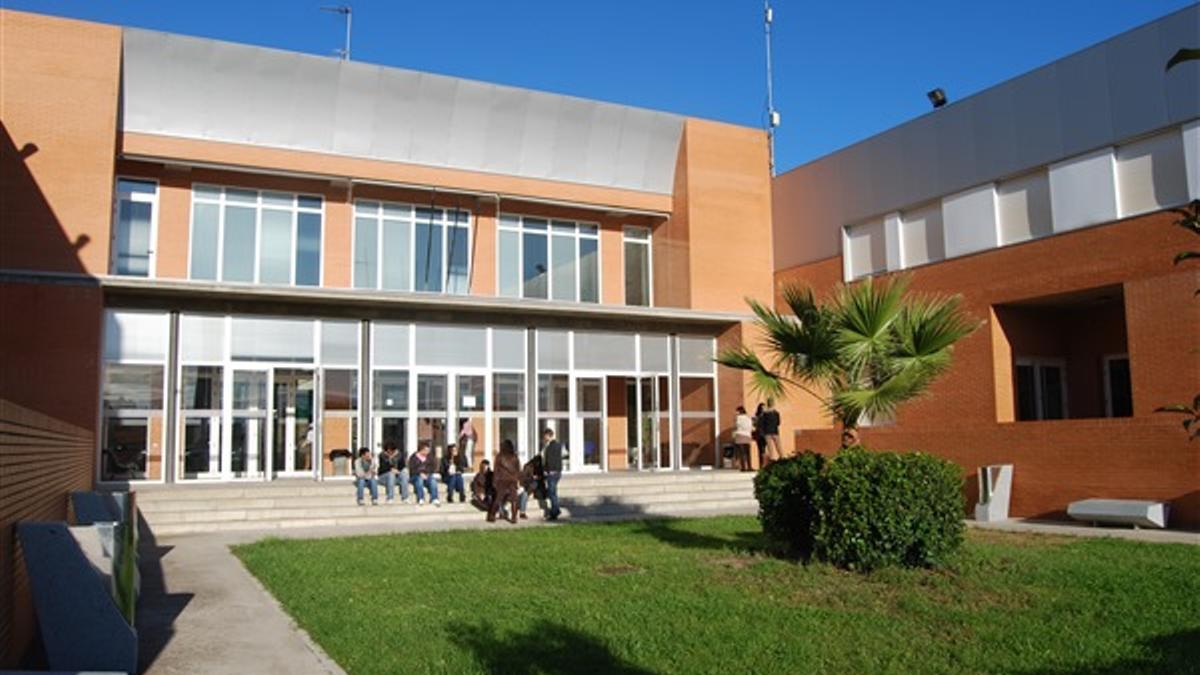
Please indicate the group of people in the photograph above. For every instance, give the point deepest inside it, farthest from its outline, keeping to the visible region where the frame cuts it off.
(504, 490)
(762, 430)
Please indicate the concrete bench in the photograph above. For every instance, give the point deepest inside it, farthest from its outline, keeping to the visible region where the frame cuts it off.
(1122, 511)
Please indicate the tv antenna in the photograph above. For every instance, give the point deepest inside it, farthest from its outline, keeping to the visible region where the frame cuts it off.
(348, 13)
(772, 113)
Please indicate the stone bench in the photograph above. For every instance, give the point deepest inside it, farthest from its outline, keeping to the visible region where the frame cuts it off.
(1133, 512)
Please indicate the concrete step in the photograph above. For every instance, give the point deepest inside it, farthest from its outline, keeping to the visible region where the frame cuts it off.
(305, 488)
(339, 495)
(447, 514)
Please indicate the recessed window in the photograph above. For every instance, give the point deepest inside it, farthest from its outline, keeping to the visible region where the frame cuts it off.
(134, 227)
(1041, 389)
(637, 266)
(255, 237)
(400, 247)
(1118, 386)
(548, 259)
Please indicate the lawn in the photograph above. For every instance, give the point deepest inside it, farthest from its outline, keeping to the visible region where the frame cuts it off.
(701, 596)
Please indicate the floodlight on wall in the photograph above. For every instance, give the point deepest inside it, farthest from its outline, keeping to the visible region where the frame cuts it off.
(937, 97)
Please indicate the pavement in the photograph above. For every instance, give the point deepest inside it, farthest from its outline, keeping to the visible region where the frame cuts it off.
(1072, 530)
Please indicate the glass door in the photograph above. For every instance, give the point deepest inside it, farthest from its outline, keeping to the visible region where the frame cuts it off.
(470, 402)
(293, 442)
(200, 422)
(244, 452)
(432, 412)
(588, 448)
(648, 417)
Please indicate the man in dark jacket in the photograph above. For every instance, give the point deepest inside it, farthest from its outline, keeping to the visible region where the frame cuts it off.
(505, 477)
(552, 462)
(422, 471)
(483, 491)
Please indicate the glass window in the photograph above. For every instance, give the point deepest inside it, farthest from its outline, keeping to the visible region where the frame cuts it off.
(133, 387)
(554, 393)
(341, 389)
(391, 390)
(510, 264)
(275, 260)
(366, 253)
(590, 395)
(605, 351)
(429, 251)
(339, 343)
(397, 255)
(431, 393)
(249, 390)
(457, 277)
(201, 338)
(389, 342)
(535, 265)
(509, 392)
(508, 348)
(206, 235)
(136, 201)
(696, 355)
(130, 335)
(450, 345)
(654, 354)
(272, 339)
(201, 388)
(552, 346)
(637, 266)
(558, 260)
(268, 237)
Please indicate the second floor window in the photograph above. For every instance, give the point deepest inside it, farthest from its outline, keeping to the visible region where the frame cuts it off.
(133, 227)
(637, 266)
(253, 236)
(548, 259)
(405, 248)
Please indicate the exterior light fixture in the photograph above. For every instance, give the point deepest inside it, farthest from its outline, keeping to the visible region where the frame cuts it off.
(937, 97)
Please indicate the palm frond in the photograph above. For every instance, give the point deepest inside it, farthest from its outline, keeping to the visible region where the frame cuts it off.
(866, 312)
(804, 348)
(927, 329)
(1183, 55)
(763, 381)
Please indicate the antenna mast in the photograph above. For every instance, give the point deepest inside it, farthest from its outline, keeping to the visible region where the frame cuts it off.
(346, 11)
(772, 114)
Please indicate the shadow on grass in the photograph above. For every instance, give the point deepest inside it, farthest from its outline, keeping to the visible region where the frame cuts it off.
(546, 648)
(669, 531)
(1177, 652)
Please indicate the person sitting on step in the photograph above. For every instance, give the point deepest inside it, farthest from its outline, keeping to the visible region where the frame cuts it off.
(482, 490)
(422, 471)
(453, 466)
(364, 476)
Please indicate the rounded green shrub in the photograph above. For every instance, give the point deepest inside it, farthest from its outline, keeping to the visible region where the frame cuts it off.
(788, 503)
(885, 508)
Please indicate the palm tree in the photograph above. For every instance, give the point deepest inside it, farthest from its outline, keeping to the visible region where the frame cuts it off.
(868, 349)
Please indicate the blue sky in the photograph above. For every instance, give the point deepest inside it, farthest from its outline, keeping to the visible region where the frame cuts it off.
(843, 70)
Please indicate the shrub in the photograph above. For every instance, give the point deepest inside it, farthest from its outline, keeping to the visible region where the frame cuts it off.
(863, 510)
(881, 509)
(787, 501)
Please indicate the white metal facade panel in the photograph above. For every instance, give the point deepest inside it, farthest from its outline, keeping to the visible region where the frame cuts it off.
(969, 218)
(921, 235)
(1023, 207)
(1151, 174)
(1072, 106)
(1083, 191)
(1191, 155)
(206, 89)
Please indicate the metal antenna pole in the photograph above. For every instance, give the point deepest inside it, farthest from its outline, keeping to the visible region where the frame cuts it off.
(348, 12)
(772, 114)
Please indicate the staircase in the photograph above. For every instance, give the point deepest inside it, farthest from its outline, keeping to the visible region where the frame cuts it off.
(187, 509)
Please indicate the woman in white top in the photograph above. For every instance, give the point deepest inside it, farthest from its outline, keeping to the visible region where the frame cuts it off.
(743, 436)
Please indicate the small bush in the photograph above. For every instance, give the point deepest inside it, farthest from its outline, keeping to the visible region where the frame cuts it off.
(884, 508)
(787, 502)
(863, 510)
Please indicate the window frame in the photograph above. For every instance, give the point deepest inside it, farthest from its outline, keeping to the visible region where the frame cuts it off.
(152, 262)
(296, 209)
(1038, 363)
(413, 220)
(1106, 363)
(648, 242)
(577, 235)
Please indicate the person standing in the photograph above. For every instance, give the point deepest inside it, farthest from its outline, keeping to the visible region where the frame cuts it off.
(453, 466)
(364, 476)
(422, 471)
(505, 477)
(392, 472)
(760, 441)
(466, 439)
(552, 462)
(770, 431)
(743, 435)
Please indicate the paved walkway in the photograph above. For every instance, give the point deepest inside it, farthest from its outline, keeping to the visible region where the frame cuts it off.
(1071, 530)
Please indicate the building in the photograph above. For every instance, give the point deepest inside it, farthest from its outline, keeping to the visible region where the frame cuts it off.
(1042, 202)
(228, 263)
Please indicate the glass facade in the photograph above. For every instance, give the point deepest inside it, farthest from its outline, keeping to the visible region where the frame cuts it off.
(261, 397)
(548, 259)
(400, 247)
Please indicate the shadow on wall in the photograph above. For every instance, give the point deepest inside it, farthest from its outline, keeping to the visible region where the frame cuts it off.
(1172, 653)
(547, 649)
(28, 224)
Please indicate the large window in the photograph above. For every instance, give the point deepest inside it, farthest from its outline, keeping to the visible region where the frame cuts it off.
(253, 236)
(637, 266)
(549, 259)
(1041, 389)
(131, 443)
(133, 227)
(400, 247)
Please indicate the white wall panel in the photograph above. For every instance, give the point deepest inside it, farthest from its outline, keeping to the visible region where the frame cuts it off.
(1191, 155)
(922, 235)
(1083, 191)
(1151, 174)
(866, 249)
(892, 236)
(1023, 207)
(970, 221)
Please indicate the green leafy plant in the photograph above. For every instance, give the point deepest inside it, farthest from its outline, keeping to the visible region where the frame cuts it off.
(788, 501)
(870, 348)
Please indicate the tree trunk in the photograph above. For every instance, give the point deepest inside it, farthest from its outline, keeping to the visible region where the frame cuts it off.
(849, 434)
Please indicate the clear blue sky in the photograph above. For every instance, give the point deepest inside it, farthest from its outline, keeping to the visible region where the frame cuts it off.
(844, 70)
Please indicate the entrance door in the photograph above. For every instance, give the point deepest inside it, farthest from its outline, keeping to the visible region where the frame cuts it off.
(433, 411)
(244, 451)
(293, 442)
(470, 402)
(648, 429)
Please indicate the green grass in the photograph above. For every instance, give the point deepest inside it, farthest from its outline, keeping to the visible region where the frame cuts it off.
(701, 596)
